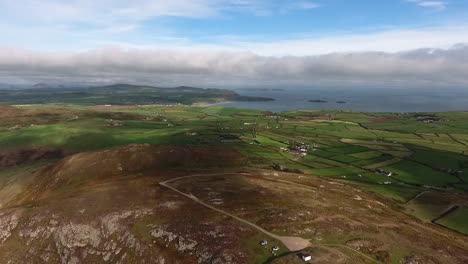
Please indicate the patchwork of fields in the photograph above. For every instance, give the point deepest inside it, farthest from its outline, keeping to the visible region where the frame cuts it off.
(420, 166)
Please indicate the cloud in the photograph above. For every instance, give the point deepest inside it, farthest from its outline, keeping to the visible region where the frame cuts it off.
(108, 12)
(304, 5)
(393, 40)
(221, 68)
(130, 55)
(103, 12)
(430, 4)
(50, 22)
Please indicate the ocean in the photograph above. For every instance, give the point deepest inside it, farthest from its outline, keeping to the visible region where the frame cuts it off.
(365, 100)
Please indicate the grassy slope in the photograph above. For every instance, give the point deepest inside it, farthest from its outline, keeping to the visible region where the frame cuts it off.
(419, 153)
(456, 220)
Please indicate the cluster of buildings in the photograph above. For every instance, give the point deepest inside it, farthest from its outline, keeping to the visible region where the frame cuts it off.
(427, 118)
(304, 257)
(384, 173)
(273, 249)
(453, 172)
(299, 147)
(113, 123)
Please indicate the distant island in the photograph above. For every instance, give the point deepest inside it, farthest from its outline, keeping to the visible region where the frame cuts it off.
(318, 101)
(122, 94)
(323, 101)
(264, 89)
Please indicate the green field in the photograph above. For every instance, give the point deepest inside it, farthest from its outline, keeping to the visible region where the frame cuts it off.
(347, 146)
(456, 220)
(419, 170)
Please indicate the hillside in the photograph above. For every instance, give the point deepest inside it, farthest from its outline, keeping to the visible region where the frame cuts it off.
(177, 184)
(120, 94)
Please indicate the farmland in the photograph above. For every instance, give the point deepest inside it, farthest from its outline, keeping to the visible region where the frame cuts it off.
(362, 187)
(456, 220)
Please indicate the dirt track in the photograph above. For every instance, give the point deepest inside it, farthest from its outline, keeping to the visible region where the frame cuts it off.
(292, 243)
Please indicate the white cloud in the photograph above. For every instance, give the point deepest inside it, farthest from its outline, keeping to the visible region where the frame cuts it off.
(209, 67)
(108, 12)
(305, 5)
(430, 4)
(383, 56)
(26, 23)
(395, 40)
(102, 12)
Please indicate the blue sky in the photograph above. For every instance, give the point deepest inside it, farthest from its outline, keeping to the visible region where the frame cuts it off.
(327, 17)
(241, 24)
(223, 42)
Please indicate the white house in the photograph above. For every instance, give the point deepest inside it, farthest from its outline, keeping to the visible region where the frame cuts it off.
(306, 257)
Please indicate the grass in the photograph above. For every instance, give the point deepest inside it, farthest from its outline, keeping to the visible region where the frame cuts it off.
(262, 254)
(270, 142)
(456, 220)
(399, 193)
(346, 144)
(415, 173)
(367, 155)
(15, 180)
(345, 150)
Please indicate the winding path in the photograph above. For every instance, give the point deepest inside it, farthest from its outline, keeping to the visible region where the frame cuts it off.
(292, 243)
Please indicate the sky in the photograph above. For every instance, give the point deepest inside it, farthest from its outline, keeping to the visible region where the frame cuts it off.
(235, 42)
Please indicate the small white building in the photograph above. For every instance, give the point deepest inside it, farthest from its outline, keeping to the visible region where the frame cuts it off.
(306, 257)
(263, 243)
(275, 248)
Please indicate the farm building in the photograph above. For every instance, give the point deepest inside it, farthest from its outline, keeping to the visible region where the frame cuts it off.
(306, 257)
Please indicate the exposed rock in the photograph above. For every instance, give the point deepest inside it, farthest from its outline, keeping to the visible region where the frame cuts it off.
(417, 259)
(8, 222)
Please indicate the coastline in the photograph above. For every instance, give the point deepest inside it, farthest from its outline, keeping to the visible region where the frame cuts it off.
(205, 104)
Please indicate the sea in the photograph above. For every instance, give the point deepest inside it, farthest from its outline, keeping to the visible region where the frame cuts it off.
(360, 100)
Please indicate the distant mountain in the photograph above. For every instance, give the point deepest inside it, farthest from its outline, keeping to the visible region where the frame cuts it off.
(7, 86)
(318, 101)
(265, 89)
(121, 94)
(47, 85)
(40, 85)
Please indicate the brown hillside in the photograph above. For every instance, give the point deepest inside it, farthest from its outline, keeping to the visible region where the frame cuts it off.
(9, 111)
(14, 157)
(89, 168)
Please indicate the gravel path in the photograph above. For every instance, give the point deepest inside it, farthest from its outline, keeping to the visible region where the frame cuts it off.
(292, 243)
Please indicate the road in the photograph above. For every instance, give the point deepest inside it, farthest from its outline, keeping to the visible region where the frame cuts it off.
(292, 243)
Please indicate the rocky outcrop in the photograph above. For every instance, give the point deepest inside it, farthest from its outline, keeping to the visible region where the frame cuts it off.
(8, 222)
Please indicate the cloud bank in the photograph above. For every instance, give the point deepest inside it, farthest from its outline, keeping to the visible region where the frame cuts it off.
(206, 67)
